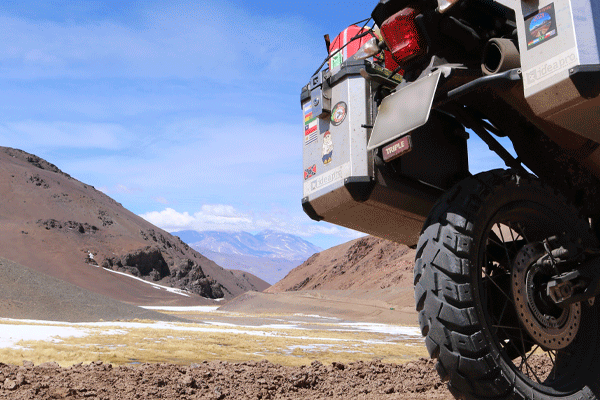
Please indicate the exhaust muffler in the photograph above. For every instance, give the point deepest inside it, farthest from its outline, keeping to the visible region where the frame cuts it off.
(500, 55)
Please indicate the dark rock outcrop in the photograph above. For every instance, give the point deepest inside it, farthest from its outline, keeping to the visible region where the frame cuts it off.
(147, 262)
(80, 227)
(190, 276)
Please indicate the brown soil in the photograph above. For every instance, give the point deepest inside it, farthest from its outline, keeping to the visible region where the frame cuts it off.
(384, 306)
(416, 380)
(365, 263)
(220, 380)
(28, 294)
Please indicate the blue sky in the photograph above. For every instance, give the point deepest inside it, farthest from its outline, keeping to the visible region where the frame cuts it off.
(187, 113)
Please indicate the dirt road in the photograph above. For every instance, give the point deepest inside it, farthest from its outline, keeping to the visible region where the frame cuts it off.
(220, 380)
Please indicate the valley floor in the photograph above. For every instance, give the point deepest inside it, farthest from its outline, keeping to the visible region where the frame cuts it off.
(220, 355)
(291, 339)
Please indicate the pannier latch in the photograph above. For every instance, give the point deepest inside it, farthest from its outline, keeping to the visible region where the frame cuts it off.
(320, 95)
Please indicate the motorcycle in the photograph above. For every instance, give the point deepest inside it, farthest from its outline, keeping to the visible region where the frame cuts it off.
(507, 266)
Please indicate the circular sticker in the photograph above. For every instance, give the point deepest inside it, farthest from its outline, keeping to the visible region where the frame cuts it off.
(339, 112)
(540, 24)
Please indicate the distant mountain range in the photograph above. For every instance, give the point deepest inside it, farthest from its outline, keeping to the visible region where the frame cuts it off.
(269, 255)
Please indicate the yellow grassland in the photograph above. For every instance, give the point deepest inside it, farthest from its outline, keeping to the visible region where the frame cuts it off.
(124, 345)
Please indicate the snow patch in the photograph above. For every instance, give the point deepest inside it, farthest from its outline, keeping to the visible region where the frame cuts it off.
(192, 308)
(13, 331)
(154, 285)
(384, 328)
(315, 316)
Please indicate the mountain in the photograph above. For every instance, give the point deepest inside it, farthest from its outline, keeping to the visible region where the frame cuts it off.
(367, 263)
(267, 243)
(59, 226)
(268, 254)
(367, 279)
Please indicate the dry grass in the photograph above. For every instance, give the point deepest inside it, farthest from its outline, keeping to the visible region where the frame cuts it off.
(283, 346)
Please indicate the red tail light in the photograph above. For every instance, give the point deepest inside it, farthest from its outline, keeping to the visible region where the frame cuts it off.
(402, 36)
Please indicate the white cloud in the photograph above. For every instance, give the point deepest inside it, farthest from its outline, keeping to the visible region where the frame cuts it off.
(235, 141)
(119, 189)
(173, 40)
(125, 189)
(169, 219)
(65, 134)
(219, 217)
(245, 159)
(211, 217)
(161, 200)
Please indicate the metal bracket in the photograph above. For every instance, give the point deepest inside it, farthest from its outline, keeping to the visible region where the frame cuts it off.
(561, 287)
(320, 95)
(469, 121)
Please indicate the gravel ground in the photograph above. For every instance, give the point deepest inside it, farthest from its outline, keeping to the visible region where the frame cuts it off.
(219, 380)
(28, 294)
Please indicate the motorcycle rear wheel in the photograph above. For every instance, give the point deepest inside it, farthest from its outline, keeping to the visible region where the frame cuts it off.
(464, 277)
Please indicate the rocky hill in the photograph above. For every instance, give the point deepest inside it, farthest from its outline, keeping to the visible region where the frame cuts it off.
(64, 228)
(365, 263)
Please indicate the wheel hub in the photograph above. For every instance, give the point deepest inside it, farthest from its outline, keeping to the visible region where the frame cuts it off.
(550, 326)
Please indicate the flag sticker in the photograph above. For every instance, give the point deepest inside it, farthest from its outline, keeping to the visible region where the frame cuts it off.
(308, 139)
(308, 117)
(308, 114)
(310, 172)
(310, 131)
(311, 127)
(307, 107)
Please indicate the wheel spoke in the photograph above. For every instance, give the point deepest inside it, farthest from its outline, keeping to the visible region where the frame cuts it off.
(506, 327)
(524, 357)
(514, 346)
(508, 258)
(553, 359)
(511, 231)
(496, 250)
(522, 232)
(527, 366)
(508, 244)
(503, 310)
(533, 351)
(495, 284)
(550, 354)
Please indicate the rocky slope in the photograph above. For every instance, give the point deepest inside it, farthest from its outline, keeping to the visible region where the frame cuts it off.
(29, 294)
(365, 263)
(64, 228)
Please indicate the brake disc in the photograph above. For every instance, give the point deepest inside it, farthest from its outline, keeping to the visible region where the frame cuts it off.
(550, 326)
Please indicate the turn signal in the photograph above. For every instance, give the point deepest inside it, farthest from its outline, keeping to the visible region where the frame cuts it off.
(369, 49)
